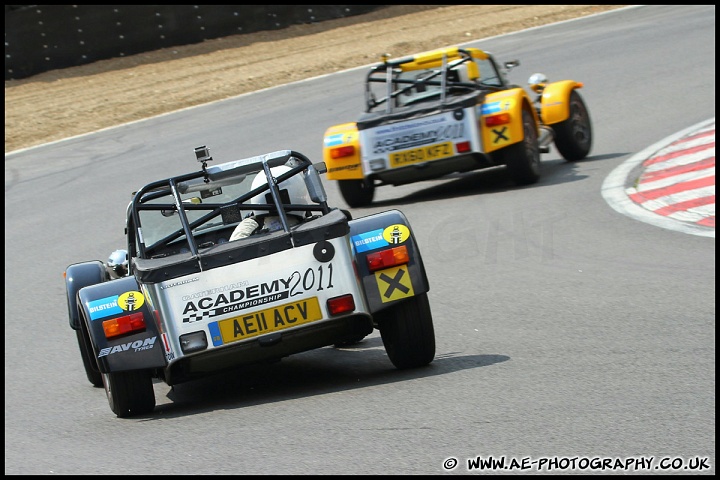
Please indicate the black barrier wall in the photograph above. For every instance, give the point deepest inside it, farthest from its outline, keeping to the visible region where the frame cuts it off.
(39, 38)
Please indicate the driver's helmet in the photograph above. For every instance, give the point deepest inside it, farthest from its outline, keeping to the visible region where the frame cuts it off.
(292, 190)
(117, 264)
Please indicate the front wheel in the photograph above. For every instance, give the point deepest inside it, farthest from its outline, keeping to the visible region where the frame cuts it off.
(129, 393)
(357, 193)
(523, 159)
(407, 332)
(573, 137)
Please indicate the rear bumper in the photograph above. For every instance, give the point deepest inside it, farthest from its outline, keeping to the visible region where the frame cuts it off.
(433, 169)
(270, 347)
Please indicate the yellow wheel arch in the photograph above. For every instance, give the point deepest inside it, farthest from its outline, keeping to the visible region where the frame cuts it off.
(500, 118)
(555, 101)
(341, 152)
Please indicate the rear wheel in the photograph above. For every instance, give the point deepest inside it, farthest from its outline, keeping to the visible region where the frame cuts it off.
(357, 193)
(129, 393)
(523, 158)
(573, 137)
(407, 332)
(88, 358)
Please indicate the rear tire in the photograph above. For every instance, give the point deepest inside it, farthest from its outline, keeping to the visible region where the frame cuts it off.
(129, 393)
(407, 332)
(88, 358)
(357, 193)
(523, 158)
(573, 137)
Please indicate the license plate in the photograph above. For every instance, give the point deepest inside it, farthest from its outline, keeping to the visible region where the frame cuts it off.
(269, 320)
(424, 154)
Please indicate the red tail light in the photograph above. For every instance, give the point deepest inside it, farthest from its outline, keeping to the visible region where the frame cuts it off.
(122, 325)
(499, 119)
(342, 304)
(344, 151)
(462, 147)
(388, 258)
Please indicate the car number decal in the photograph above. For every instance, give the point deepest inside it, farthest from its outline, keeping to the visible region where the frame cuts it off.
(394, 283)
(269, 320)
(501, 135)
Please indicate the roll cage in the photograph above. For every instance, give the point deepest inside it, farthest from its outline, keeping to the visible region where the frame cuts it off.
(173, 197)
(438, 73)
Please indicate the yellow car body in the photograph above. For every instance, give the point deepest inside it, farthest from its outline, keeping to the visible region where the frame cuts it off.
(451, 110)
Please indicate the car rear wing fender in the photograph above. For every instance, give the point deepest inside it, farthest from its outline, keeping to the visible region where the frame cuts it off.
(341, 152)
(78, 276)
(387, 236)
(555, 101)
(500, 118)
(115, 300)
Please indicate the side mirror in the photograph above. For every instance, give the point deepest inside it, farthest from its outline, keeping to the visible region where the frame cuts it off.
(117, 264)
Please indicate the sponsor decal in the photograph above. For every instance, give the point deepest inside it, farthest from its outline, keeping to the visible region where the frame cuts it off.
(165, 285)
(353, 166)
(334, 140)
(104, 307)
(136, 346)
(131, 301)
(497, 107)
(396, 234)
(490, 108)
(169, 354)
(198, 308)
(394, 284)
(369, 241)
(415, 134)
(116, 304)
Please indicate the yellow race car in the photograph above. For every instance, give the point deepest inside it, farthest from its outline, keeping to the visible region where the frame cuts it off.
(452, 110)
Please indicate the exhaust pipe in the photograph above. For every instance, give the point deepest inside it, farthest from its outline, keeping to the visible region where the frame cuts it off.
(547, 136)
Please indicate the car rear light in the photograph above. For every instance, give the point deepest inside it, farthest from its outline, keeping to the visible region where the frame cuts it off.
(344, 151)
(499, 119)
(134, 322)
(388, 258)
(462, 147)
(341, 304)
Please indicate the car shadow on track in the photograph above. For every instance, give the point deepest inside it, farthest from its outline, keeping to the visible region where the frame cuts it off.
(487, 181)
(318, 372)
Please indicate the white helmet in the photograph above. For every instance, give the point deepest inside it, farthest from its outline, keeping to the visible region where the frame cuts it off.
(292, 190)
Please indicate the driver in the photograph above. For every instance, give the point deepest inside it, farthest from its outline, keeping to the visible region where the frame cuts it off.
(292, 191)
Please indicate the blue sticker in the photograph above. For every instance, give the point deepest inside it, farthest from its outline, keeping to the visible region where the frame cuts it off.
(489, 108)
(104, 307)
(215, 334)
(332, 140)
(369, 241)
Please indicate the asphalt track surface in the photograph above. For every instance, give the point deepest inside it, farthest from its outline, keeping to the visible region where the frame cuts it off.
(564, 328)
